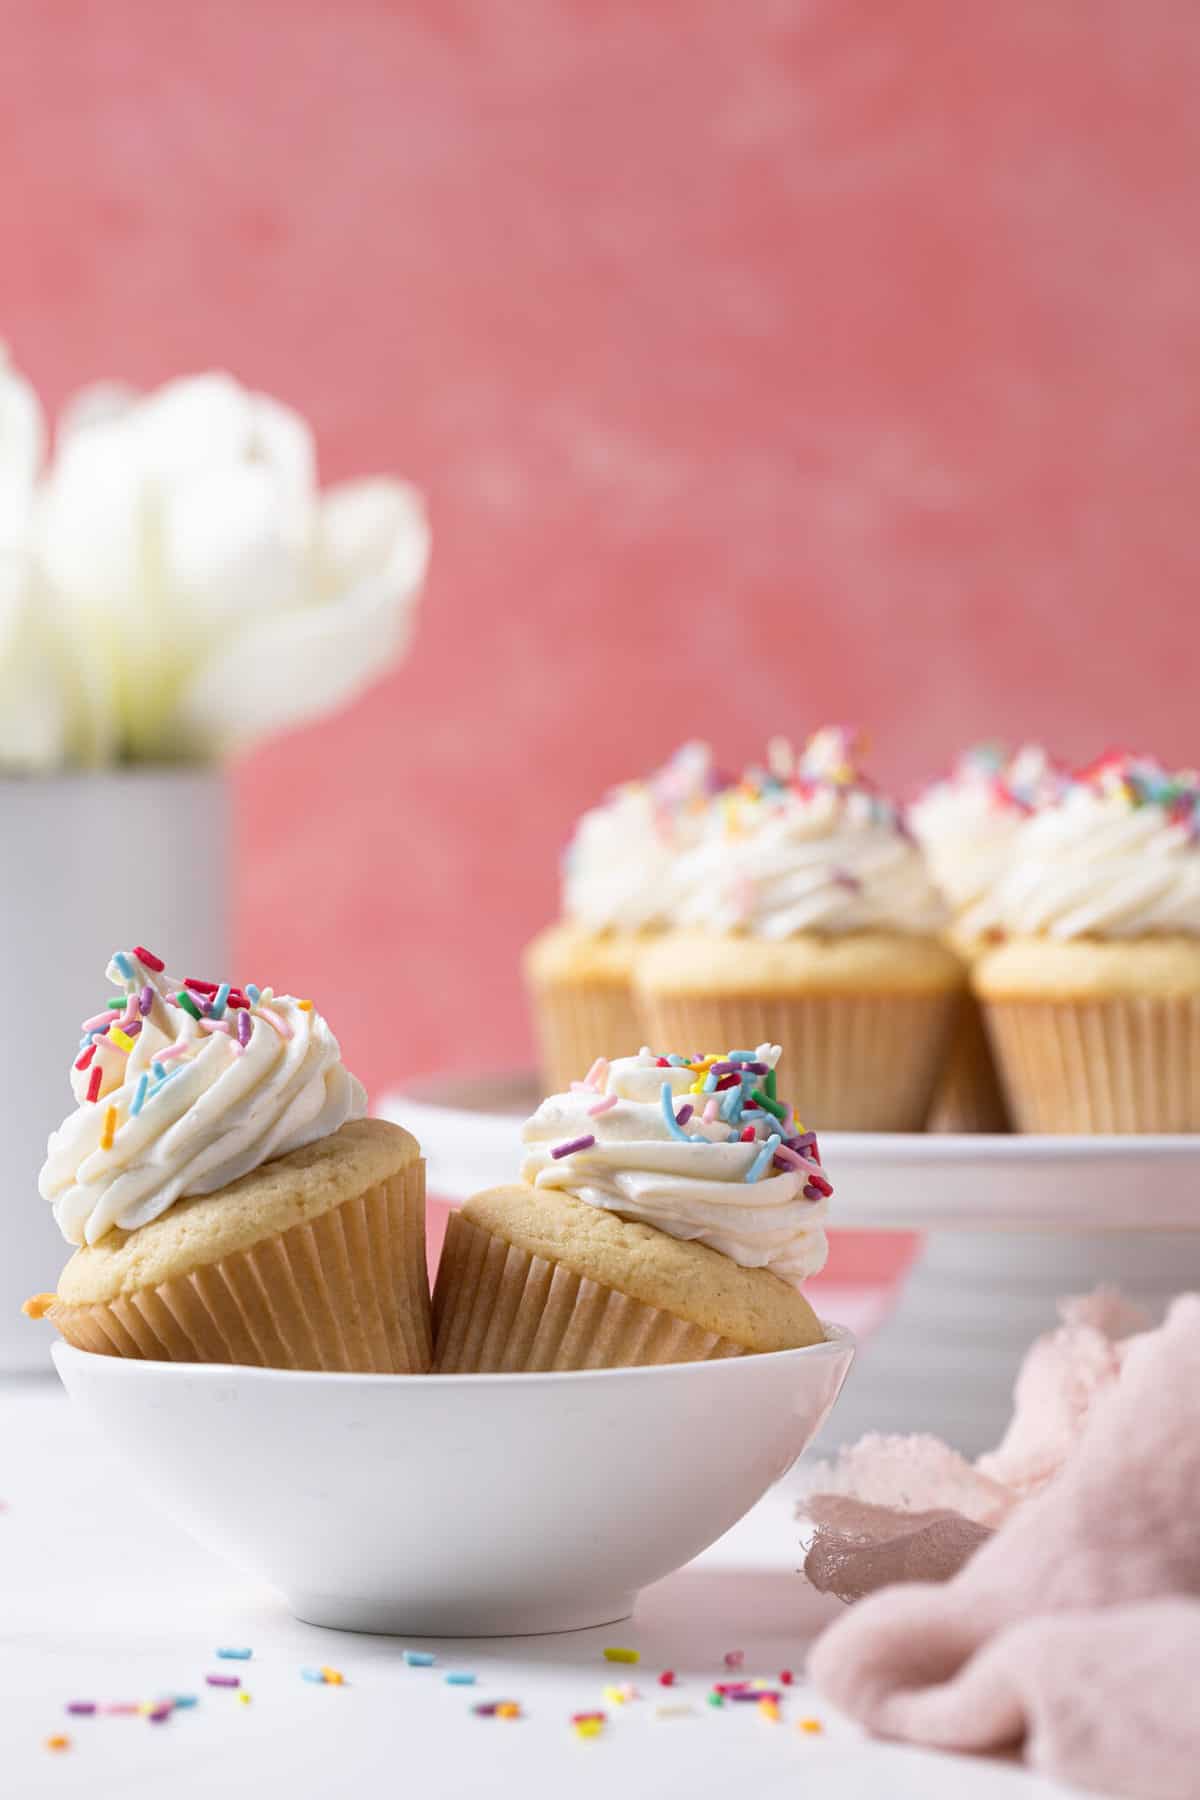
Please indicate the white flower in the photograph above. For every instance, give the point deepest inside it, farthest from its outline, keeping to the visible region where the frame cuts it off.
(199, 591)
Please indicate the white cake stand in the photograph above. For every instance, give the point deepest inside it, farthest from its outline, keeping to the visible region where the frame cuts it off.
(1010, 1225)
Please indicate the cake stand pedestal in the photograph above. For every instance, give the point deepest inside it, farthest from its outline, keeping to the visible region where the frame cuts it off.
(1010, 1225)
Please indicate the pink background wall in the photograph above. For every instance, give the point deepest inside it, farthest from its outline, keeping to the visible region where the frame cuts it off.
(763, 363)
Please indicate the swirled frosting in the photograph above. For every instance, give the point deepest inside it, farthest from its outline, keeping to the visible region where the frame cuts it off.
(181, 1088)
(806, 846)
(1116, 855)
(686, 1146)
(968, 823)
(618, 871)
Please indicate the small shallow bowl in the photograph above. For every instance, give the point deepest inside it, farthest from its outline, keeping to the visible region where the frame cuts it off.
(461, 1505)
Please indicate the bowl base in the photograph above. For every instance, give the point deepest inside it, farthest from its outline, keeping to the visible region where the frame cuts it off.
(430, 1617)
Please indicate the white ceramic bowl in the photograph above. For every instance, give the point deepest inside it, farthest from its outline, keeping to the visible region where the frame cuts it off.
(461, 1505)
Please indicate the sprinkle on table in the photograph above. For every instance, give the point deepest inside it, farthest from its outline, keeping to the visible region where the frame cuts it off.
(333, 1677)
(229, 1653)
(733, 1659)
(667, 1678)
(588, 1725)
(621, 1694)
(420, 1659)
(619, 1655)
(229, 1681)
(460, 1678)
(81, 1708)
(59, 1741)
(678, 1709)
(244, 1698)
(786, 1678)
(812, 1726)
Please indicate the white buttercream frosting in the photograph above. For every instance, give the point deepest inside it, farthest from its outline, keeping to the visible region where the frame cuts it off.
(189, 1106)
(969, 823)
(1117, 856)
(808, 846)
(618, 871)
(690, 1182)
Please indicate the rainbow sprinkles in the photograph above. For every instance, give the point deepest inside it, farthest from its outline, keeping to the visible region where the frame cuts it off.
(734, 1101)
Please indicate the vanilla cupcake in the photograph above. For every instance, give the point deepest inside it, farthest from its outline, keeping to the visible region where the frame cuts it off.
(967, 824)
(1093, 999)
(229, 1201)
(807, 917)
(668, 1211)
(616, 889)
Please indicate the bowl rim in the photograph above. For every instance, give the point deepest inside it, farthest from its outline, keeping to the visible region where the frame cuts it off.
(838, 1341)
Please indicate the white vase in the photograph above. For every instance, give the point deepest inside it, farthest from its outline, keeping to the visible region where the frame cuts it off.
(91, 864)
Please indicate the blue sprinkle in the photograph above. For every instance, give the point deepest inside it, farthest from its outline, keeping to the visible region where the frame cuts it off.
(710, 1083)
(253, 994)
(220, 1001)
(182, 1700)
(764, 1158)
(676, 1061)
(742, 1056)
(673, 1126)
(160, 1069)
(124, 966)
(139, 1099)
(311, 1675)
(420, 1659)
(168, 1075)
(460, 1678)
(236, 1655)
(731, 1105)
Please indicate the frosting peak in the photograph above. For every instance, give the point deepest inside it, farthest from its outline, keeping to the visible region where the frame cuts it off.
(699, 1147)
(968, 823)
(182, 1087)
(618, 867)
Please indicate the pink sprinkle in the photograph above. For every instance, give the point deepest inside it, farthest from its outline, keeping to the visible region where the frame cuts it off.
(179, 1049)
(216, 1025)
(596, 1073)
(130, 1013)
(710, 1112)
(223, 1680)
(733, 1659)
(273, 1018)
(784, 1155)
(123, 1709)
(579, 1143)
(101, 1022)
(602, 1105)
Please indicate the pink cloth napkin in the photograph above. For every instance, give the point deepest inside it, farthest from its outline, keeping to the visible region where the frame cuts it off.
(1073, 1629)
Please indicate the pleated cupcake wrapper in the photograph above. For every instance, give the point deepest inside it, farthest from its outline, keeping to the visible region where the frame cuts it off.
(969, 1096)
(346, 1291)
(851, 1062)
(1120, 1064)
(498, 1308)
(578, 1021)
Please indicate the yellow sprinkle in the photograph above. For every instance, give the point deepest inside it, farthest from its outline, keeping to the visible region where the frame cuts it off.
(508, 1709)
(120, 1038)
(108, 1128)
(244, 1698)
(810, 1725)
(628, 1656)
(334, 1677)
(304, 1005)
(769, 1710)
(586, 1728)
(620, 1696)
(58, 1742)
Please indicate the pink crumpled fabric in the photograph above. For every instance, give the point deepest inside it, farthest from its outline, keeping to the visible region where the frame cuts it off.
(1073, 1629)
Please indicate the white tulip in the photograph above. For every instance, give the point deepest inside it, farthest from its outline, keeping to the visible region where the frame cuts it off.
(199, 591)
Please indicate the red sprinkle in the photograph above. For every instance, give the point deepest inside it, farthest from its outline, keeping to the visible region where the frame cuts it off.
(201, 987)
(733, 1659)
(148, 958)
(93, 1091)
(786, 1678)
(82, 1061)
(667, 1678)
(747, 1138)
(663, 1063)
(587, 1718)
(821, 1184)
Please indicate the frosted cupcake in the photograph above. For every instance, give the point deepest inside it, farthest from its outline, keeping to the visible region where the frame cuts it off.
(229, 1201)
(807, 918)
(1093, 1000)
(616, 888)
(668, 1211)
(967, 824)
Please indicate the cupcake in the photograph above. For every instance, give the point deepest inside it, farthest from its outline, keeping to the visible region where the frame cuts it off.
(616, 889)
(1093, 999)
(967, 825)
(228, 1198)
(807, 917)
(668, 1211)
